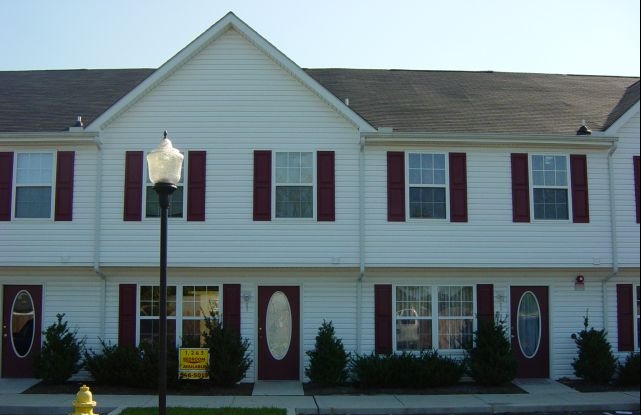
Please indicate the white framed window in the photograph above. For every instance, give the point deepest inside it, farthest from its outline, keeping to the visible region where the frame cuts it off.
(177, 201)
(294, 184)
(185, 313)
(427, 185)
(433, 317)
(34, 176)
(550, 187)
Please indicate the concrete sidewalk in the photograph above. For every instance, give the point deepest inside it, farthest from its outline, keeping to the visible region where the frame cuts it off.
(542, 396)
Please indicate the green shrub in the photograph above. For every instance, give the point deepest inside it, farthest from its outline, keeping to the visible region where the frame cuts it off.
(328, 360)
(490, 360)
(228, 355)
(595, 362)
(60, 355)
(405, 370)
(130, 366)
(628, 372)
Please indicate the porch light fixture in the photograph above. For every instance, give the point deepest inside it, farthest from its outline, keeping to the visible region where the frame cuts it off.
(165, 166)
(579, 282)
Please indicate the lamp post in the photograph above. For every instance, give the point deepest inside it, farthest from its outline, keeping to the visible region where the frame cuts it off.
(164, 165)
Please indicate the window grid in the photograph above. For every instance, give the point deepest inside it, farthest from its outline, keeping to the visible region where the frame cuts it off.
(550, 190)
(198, 302)
(33, 183)
(177, 198)
(417, 317)
(294, 184)
(427, 185)
(149, 312)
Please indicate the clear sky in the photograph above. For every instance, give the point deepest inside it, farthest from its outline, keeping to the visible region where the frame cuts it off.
(547, 36)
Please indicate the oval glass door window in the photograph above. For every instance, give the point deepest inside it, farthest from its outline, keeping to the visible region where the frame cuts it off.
(22, 323)
(278, 325)
(528, 328)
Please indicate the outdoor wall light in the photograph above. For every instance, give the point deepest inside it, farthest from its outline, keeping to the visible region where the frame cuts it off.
(165, 167)
(579, 282)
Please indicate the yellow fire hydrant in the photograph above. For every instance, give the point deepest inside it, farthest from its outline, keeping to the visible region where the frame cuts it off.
(84, 403)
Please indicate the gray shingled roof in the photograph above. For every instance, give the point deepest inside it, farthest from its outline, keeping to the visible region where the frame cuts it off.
(51, 100)
(443, 101)
(425, 101)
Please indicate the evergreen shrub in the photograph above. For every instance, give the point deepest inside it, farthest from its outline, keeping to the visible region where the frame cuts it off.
(60, 355)
(405, 370)
(489, 360)
(228, 356)
(595, 362)
(328, 361)
(628, 372)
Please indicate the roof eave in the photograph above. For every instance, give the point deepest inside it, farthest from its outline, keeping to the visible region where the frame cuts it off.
(551, 141)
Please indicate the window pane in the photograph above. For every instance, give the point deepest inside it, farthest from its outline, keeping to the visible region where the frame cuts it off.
(550, 203)
(33, 202)
(413, 301)
(199, 301)
(152, 206)
(34, 169)
(294, 202)
(454, 333)
(415, 161)
(149, 329)
(413, 334)
(455, 301)
(427, 202)
(150, 301)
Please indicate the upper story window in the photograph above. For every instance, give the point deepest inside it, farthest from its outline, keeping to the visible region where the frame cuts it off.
(427, 186)
(431, 317)
(152, 207)
(294, 182)
(34, 183)
(550, 190)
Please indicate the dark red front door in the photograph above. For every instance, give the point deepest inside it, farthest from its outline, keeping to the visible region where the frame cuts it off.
(278, 333)
(21, 329)
(530, 331)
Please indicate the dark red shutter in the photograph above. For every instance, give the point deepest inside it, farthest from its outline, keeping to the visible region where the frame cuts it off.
(520, 188)
(637, 183)
(231, 307)
(64, 186)
(383, 318)
(133, 186)
(196, 185)
(326, 186)
(458, 187)
(395, 186)
(625, 318)
(262, 185)
(6, 184)
(127, 315)
(579, 179)
(485, 302)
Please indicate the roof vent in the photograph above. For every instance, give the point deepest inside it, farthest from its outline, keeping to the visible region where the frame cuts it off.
(583, 129)
(347, 101)
(78, 125)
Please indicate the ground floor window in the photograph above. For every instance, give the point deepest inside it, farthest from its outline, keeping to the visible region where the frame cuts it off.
(433, 317)
(185, 313)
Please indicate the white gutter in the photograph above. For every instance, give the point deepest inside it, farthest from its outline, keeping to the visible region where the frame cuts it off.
(361, 242)
(613, 236)
(97, 238)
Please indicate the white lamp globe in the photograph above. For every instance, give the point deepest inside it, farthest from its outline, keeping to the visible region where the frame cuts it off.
(165, 163)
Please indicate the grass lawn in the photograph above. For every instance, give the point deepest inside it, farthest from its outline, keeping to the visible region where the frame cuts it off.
(206, 411)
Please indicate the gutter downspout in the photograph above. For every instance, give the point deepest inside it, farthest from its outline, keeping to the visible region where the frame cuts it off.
(361, 243)
(97, 239)
(613, 236)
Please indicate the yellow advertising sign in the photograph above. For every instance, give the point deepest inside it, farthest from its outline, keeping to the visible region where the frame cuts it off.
(193, 363)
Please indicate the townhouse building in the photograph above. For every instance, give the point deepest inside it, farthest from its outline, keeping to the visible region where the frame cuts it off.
(404, 206)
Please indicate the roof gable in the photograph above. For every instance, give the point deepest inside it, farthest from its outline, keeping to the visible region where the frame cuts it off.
(230, 21)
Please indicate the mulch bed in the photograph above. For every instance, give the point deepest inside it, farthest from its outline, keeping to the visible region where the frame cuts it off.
(192, 388)
(462, 388)
(583, 386)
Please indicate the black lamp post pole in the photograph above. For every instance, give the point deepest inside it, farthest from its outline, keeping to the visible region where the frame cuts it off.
(164, 191)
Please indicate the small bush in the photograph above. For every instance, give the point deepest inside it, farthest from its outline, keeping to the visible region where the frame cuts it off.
(628, 372)
(60, 355)
(328, 361)
(228, 356)
(406, 370)
(595, 362)
(490, 360)
(130, 366)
